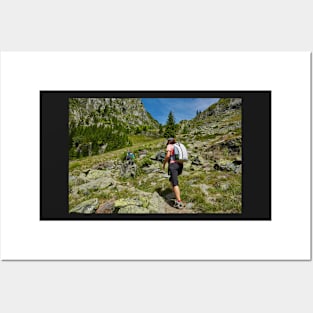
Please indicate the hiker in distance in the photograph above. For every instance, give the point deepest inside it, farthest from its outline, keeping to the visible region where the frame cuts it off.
(175, 168)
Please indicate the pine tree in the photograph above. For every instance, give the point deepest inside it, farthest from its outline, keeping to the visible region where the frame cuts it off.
(170, 126)
(160, 130)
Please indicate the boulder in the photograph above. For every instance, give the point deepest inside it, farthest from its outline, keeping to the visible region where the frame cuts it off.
(104, 165)
(128, 169)
(146, 204)
(106, 208)
(198, 160)
(160, 156)
(204, 189)
(86, 207)
(153, 168)
(224, 165)
(94, 174)
(224, 186)
(123, 203)
(94, 185)
(130, 206)
(156, 204)
(133, 209)
(77, 180)
(235, 103)
(233, 145)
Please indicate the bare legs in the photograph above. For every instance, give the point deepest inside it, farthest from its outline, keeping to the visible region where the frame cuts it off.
(177, 192)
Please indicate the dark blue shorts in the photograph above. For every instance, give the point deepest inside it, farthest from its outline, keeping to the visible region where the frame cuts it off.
(175, 169)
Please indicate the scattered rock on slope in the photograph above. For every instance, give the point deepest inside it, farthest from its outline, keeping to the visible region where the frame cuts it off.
(128, 169)
(86, 207)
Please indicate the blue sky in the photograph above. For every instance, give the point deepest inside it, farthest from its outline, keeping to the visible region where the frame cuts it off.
(183, 108)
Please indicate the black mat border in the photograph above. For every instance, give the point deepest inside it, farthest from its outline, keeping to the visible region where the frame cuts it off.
(256, 176)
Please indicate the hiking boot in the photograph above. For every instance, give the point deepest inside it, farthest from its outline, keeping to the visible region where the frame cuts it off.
(178, 205)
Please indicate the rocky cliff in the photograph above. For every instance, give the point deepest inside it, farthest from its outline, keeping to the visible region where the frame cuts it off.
(216, 132)
(129, 112)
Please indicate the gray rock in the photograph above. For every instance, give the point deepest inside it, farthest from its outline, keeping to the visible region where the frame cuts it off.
(104, 165)
(97, 184)
(71, 179)
(156, 204)
(224, 186)
(146, 204)
(204, 189)
(106, 208)
(133, 209)
(130, 206)
(189, 206)
(198, 160)
(86, 207)
(123, 203)
(238, 169)
(160, 156)
(235, 103)
(128, 169)
(233, 145)
(223, 165)
(142, 153)
(153, 168)
(94, 174)
(77, 180)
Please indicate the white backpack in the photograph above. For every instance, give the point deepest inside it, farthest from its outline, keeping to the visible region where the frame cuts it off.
(180, 151)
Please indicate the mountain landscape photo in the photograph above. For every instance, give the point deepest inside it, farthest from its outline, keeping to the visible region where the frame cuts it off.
(102, 180)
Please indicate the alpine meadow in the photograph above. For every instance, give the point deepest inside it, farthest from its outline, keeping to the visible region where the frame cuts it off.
(104, 179)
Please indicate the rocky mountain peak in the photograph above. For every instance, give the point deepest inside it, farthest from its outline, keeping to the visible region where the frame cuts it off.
(101, 111)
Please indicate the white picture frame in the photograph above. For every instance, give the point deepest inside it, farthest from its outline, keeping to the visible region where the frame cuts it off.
(285, 237)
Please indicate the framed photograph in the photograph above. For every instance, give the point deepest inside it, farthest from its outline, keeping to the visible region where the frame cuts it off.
(155, 155)
(84, 137)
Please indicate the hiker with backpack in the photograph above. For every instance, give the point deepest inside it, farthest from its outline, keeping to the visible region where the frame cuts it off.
(176, 154)
(130, 157)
